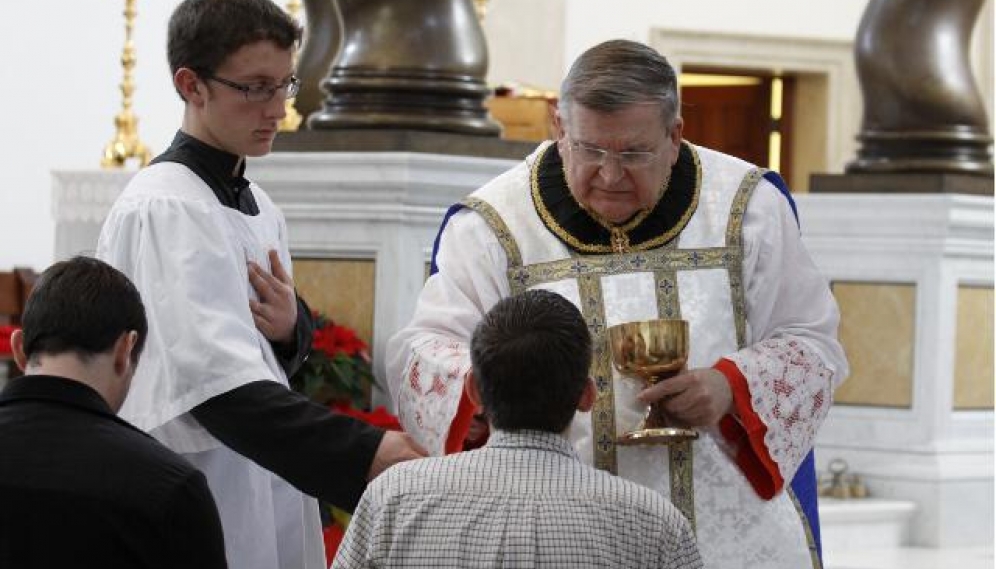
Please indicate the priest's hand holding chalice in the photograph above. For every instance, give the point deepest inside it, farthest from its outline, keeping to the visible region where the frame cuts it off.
(652, 351)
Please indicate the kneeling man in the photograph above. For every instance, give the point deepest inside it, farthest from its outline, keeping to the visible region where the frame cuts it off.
(525, 499)
(80, 487)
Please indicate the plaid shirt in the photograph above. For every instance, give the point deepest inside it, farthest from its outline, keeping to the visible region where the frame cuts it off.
(523, 500)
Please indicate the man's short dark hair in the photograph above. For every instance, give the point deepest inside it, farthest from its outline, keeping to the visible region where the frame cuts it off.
(617, 74)
(203, 33)
(531, 355)
(82, 306)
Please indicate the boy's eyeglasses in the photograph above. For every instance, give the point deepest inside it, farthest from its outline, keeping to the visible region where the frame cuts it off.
(262, 92)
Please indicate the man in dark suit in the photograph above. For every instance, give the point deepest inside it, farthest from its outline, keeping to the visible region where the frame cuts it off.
(80, 487)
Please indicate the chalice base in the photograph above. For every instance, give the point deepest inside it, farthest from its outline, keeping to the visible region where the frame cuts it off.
(657, 436)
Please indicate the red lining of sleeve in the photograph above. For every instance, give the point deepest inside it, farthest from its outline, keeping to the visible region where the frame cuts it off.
(460, 425)
(752, 458)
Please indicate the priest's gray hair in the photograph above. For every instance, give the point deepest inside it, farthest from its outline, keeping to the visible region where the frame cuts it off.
(617, 74)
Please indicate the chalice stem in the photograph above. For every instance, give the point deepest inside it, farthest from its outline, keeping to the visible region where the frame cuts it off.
(645, 421)
(655, 417)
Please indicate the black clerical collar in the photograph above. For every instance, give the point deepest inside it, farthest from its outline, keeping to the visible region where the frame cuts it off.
(220, 170)
(583, 233)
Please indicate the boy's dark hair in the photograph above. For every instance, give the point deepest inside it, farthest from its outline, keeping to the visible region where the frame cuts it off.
(530, 355)
(82, 306)
(203, 33)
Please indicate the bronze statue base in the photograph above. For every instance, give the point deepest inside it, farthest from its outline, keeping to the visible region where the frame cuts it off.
(407, 65)
(956, 150)
(357, 100)
(922, 110)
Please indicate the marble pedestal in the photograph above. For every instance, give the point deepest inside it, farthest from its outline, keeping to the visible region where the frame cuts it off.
(927, 448)
(383, 206)
(80, 202)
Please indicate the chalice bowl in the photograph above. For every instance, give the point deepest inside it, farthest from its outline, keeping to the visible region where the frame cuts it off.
(652, 351)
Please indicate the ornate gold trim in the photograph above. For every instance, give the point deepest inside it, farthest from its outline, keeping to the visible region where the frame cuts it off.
(680, 464)
(660, 259)
(603, 414)
(566, 236)
(666, 285)
(498, 227)
(734, 244)
(681, 456)
(814, 553)
(734, 226)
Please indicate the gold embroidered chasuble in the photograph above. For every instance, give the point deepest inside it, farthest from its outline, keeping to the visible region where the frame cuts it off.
(643, 270)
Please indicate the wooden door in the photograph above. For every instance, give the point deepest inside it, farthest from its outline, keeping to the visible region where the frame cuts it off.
(734, 116)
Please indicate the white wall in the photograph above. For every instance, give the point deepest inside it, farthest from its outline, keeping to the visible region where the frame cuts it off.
(593, 21)
(60, 94)
(520, 31)
(62, 74)
(524, 42)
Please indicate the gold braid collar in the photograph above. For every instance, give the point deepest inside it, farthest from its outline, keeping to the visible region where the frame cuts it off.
(586, 232)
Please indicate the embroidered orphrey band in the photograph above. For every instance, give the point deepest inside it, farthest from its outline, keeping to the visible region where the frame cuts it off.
(814, 553)
(734, 244)
(680, 463)
(664, 258)
(498, 227)
(680, 455)
(603, 414)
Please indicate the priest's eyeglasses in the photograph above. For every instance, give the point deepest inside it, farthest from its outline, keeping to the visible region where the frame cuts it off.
(595, 156)
(262, 92)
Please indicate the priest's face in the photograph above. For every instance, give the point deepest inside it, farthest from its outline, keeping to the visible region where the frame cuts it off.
(225, 117)
(616, 163)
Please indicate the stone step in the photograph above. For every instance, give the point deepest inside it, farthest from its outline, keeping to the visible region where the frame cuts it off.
(873, 533)
(864, 523)
(910, 558)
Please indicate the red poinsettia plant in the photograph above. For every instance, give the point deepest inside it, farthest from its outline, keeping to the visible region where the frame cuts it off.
(338, 370)
(338, 374)
(6, 331)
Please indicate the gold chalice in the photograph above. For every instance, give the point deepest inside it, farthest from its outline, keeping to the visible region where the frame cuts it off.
(653, 351)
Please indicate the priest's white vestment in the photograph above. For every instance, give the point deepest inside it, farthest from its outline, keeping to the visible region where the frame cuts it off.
(729, 260)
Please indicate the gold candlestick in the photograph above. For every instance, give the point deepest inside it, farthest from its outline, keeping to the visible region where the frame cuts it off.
(126, 143)
(481, 7)
(292, 120)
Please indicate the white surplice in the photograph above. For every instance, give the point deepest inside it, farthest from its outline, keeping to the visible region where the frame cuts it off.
(187, 255)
